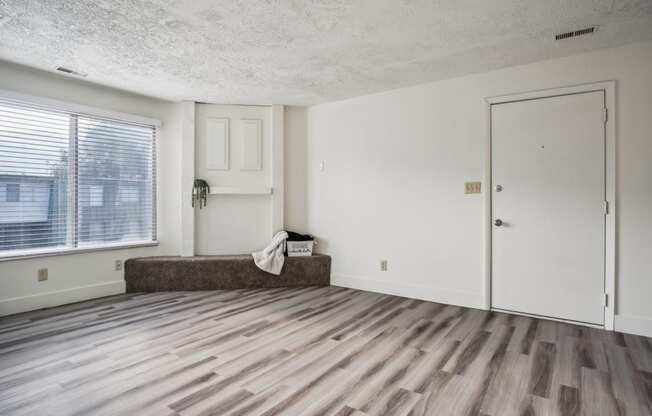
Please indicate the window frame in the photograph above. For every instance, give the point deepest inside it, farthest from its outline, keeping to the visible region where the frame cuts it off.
(84, 110)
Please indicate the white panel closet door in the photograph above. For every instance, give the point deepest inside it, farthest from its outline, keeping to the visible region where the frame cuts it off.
(548, 155)
(233, 151)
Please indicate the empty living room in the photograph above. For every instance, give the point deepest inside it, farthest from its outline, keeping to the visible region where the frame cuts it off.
(325, 207)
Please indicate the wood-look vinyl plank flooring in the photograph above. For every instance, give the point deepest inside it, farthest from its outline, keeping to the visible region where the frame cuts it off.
(311, 351)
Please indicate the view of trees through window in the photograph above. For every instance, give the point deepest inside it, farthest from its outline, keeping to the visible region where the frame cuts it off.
(69, 180)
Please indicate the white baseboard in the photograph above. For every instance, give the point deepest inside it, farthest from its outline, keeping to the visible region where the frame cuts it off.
(432, 294)
(60, 297)
(631, 324)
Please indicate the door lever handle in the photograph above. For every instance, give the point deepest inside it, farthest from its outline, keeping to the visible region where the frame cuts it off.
(498, 222)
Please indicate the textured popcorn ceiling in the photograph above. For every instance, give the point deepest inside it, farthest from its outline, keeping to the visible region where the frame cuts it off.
(301, 51)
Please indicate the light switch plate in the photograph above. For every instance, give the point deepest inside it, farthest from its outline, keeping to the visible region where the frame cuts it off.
(472, 187)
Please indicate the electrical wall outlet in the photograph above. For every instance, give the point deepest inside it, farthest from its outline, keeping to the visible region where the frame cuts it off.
(118, 265)
(42, 275)
(472, 187)
(383, 265)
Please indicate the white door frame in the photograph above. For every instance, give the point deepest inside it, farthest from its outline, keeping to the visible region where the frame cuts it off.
(609, 88)
(277, 180)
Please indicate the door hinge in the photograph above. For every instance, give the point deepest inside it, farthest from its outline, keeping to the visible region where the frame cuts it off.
(605, 207)
(605, 115)
(605, 299)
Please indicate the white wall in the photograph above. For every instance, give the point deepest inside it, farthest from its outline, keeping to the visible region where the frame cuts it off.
(296, 181)
(395, 164)
(80, 276)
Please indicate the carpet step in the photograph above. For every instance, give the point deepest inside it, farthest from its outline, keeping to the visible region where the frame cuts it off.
(155, 274)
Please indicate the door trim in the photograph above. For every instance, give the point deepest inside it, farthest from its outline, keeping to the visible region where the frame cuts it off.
(277, 182)
(609, 89)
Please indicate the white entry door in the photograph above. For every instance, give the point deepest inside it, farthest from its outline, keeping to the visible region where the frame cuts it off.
(548, 232)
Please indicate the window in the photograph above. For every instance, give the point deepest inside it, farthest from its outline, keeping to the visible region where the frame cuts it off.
(12, 192)
(96, 195)
(73, 181)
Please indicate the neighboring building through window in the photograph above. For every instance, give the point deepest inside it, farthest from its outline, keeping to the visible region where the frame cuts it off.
(96, 195)
(12, 193)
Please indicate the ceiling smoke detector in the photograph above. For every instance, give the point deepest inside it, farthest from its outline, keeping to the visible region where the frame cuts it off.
(70, 71)
(576, 33)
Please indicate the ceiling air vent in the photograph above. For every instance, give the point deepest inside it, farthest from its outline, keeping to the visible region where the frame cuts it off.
(581, 32)
(70, 71)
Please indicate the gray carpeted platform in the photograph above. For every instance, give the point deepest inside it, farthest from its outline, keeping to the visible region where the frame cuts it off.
(154, 274)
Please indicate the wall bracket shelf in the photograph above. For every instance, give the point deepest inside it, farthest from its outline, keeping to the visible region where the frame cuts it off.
(246, 190)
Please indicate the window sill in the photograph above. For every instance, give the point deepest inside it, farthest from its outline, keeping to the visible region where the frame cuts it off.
(30, 254)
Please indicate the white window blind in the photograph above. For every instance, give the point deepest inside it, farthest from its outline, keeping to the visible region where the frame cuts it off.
(71, 181)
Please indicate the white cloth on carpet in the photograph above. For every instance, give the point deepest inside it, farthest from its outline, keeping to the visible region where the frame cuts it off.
(271, 258)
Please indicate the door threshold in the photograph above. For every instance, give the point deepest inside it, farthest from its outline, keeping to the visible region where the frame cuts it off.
(550, 318)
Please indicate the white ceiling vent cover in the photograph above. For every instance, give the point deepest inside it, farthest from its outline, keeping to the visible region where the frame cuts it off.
(581, 32)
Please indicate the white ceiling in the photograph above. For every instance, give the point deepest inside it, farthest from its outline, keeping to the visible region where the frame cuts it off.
(301, 51)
